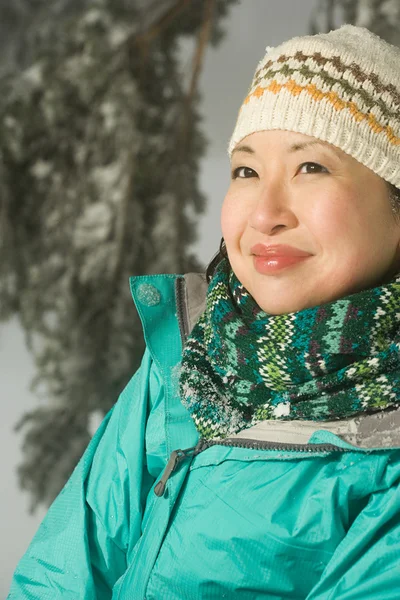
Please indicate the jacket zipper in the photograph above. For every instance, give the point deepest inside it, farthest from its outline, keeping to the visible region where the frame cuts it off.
(181, 308)
(177, 456)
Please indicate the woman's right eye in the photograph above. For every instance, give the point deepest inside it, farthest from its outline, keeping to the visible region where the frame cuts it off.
(243, 173)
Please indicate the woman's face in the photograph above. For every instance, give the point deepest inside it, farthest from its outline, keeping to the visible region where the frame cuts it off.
(304, 223)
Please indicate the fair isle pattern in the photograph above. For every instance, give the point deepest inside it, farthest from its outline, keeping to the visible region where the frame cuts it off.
(317, 94)
(342, 87)
(241, 366)
(363, 103)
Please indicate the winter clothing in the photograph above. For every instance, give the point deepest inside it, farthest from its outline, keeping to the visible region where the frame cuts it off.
(242, 366)
(236, 518)
(341, 87)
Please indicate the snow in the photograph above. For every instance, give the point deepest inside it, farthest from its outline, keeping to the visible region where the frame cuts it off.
(365, 13)
(108, 111)
(11, 122)
(41, 169)
(94, 225)
(34, 75)
(281, 410)
(391, 9)
(95, 419)
(110, 182)
(118, 35)
(108, 175)
(75, 67)
(98, 263)
(93, 17)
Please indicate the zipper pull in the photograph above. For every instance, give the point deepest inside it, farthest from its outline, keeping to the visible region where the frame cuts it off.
(175, 458)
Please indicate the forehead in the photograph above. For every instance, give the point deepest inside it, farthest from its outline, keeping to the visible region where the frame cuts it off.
(287, 142)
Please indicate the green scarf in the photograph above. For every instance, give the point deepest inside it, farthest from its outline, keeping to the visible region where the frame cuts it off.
(241, 366)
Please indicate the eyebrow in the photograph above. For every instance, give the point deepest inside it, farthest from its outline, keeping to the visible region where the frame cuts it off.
(243, 148)
(304, 145)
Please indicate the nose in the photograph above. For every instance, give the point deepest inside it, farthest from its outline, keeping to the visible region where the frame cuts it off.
(272, 211)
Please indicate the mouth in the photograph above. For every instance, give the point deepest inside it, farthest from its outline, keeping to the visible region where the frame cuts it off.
(270, 259)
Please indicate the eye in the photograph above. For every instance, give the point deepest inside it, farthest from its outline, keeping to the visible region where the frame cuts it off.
(243, 173)
(309, 168)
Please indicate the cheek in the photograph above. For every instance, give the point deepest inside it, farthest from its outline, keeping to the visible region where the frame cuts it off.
(233, 218)
(334, 219)
(224, 216)
(348, 226)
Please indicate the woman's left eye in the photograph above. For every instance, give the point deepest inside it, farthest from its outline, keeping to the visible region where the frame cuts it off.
(311, 168)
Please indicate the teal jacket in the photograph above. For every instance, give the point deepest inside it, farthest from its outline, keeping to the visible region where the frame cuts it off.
(242, 519)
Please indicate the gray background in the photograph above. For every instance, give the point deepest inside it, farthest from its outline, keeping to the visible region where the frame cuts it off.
(252, 25)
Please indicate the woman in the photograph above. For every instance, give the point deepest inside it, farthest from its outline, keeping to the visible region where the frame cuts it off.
(288, 484)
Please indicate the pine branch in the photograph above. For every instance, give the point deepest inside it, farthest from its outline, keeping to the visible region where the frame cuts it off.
(162, 24)
(102, 179)
(203, 39)
(184, 137)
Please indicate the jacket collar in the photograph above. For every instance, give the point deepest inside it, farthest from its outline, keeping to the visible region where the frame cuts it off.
(195, 297)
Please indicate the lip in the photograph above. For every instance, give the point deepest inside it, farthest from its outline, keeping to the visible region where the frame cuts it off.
(270, 259)
(277, 250)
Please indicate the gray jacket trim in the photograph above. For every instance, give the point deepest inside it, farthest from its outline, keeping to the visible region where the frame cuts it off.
(376, 430)
(196, 290)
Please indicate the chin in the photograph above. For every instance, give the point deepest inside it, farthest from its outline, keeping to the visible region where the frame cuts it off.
(285, 304)
(282, 309)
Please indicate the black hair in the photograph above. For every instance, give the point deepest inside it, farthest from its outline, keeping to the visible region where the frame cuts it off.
(220, 255)
(394, 197)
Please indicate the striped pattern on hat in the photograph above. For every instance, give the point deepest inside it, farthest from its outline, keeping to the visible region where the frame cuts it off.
(342, 87)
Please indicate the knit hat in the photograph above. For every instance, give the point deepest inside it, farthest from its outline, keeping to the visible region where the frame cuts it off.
(341, 87)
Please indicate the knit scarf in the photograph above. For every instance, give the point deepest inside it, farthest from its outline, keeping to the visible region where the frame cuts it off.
(241, 365)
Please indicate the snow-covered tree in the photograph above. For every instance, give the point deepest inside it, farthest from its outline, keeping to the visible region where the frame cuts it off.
(100, 143)
(380, 16)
